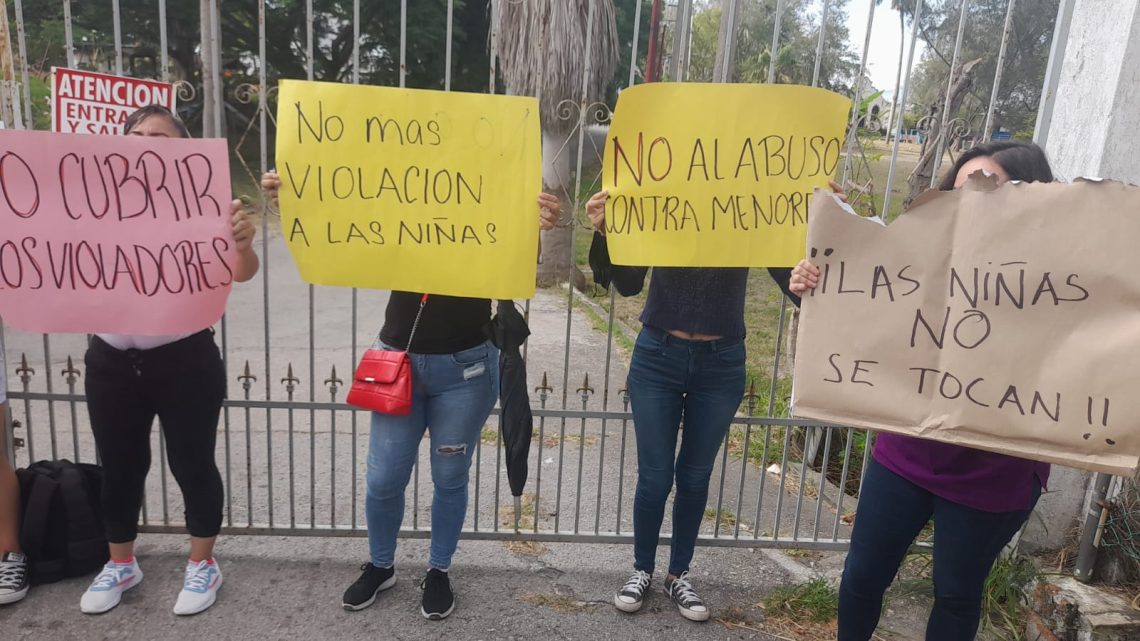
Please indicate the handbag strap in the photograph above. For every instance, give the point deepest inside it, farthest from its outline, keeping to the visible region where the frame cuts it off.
(416, 322)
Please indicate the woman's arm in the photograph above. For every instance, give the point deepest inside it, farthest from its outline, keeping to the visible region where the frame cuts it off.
(629, 281)
(244, 231)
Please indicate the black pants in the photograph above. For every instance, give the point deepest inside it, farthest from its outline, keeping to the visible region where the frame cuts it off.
(182, 383)
(892, 511)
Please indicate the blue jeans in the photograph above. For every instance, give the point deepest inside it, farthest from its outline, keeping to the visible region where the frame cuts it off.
(671, 379)
(452, 396)
(892, 511)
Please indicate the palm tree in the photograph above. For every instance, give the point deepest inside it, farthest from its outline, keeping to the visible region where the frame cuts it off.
(542, 50)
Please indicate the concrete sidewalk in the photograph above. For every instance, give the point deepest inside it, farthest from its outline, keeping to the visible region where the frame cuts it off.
(290, 588)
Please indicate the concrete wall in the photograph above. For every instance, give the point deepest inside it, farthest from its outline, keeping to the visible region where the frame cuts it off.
(1094, 131)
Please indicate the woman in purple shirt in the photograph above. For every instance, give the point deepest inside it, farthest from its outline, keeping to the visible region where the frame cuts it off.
(978, 500)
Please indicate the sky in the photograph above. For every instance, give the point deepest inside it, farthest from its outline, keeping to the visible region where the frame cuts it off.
(882, 62)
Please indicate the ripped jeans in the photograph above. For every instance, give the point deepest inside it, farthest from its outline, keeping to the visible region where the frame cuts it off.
(452, 396)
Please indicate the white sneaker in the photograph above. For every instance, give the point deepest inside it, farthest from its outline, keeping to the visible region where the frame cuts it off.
(108, 588)
(200, 587)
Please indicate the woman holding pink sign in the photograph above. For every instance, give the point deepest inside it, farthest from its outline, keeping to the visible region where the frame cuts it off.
(181, 380)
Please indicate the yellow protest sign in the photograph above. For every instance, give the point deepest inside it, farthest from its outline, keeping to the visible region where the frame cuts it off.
(718, 175)
(411, 190)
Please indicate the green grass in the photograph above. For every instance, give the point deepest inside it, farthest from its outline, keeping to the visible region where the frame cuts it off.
(1004, 599)
(816, 601)
(727, 517)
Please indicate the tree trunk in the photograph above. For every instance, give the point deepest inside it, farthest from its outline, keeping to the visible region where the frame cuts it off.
(919, 180)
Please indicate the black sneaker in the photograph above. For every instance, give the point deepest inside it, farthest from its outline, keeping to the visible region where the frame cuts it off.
(439, 600)
(13, 577)
(632, 595)
(372, 581)
(681, 592)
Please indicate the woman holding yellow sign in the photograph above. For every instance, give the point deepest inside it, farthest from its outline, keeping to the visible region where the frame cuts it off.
(688, 362)
(455, 383)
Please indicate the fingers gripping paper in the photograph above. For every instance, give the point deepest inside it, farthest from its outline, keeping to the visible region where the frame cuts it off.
(119, 234)
(717, 175)
(1006, 320)
(411, 190)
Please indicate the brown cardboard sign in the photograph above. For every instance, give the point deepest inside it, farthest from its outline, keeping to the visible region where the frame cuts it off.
(1005, 319)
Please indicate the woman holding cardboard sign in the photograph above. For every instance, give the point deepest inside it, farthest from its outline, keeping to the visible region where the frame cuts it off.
(454, 386)
(978, 500)
(180, 379)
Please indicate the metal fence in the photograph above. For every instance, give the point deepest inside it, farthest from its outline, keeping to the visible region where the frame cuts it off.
(292, 454)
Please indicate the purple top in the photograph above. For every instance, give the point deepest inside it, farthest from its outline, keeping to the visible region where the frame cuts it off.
(975, 478)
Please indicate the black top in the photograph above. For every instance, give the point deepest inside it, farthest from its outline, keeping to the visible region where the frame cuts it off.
(449, 324)
(696, 300)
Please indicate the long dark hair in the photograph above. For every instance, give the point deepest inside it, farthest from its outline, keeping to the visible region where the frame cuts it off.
(1022, 161)
(143, 113)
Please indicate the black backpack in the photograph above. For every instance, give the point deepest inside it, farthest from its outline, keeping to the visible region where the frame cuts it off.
(61, 529)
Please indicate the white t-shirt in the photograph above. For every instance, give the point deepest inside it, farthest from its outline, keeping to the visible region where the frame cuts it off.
(123, 342)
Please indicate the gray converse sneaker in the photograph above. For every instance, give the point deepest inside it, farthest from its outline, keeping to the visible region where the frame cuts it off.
(681, 592)
(632, 595)
(13, 577)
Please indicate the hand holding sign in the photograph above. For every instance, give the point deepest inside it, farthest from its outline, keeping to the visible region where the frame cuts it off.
(409, 190)
(117, 234)
(967, 321)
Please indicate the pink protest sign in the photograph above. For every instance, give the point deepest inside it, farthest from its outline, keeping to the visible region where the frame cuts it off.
(116, 234)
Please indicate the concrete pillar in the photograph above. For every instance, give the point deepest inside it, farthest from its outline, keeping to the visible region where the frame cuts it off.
(1089, 123)
(1094, 127)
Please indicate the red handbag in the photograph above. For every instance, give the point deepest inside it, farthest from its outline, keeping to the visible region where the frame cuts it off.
(383, 379)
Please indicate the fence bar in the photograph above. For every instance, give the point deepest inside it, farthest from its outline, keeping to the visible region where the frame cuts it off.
(72, 375)
(940, 143)
(819, 47)
(164, 61)
(633, 46)
(116, 19)
(774, 54)
(853, 131)
(842, 484)
(263, 151)
(355, 294)
(822, 484)
(988, 130)
(901, 107)
(621, 465)
(69, 35)
(1052, 71)
(720, 488)
(21, 38)
(312, 313)
(681, 27)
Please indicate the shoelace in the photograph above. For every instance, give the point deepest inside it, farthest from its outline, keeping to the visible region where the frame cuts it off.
(12, 574)
(683, 591)
(637, 582)
(110, 575)
(197, 576)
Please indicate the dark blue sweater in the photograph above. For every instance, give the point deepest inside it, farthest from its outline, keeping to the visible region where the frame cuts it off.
(695, 300)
